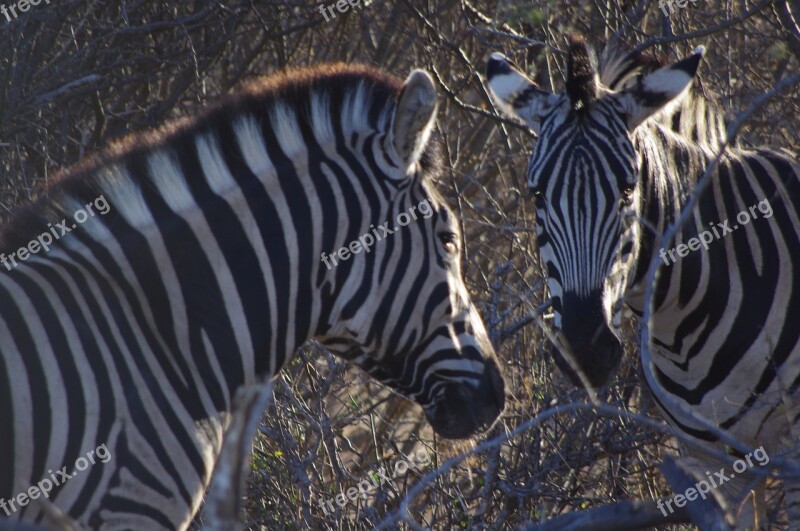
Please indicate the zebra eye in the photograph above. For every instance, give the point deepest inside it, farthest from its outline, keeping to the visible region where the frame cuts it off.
(449, 241)
(538, 197)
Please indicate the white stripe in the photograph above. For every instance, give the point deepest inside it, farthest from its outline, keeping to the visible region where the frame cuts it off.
(166, 174)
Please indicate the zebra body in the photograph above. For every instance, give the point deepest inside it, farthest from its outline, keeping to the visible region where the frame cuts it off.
(135, 330)
(612, 169)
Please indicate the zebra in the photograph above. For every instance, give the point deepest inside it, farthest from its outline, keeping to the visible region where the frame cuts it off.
(204, 275)
(618, 155)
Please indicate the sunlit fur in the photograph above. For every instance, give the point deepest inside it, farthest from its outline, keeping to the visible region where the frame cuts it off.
(724, 336)
(136, 329)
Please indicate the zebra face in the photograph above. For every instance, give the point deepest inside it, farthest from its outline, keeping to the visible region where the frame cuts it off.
(403, 313)
(428, 342)
(583, 174)
(585, 233)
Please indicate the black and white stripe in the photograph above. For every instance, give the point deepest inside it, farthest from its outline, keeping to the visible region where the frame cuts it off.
(611, 170)
(136, 329)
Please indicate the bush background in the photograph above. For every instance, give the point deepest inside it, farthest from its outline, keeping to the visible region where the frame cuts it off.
(76, 74)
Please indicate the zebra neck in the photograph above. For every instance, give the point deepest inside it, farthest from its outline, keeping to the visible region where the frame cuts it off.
(676, 145)
(215, 281)
(210, 253)
(671, 168)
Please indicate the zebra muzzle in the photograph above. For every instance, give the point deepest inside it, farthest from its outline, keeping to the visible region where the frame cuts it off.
(464, 410)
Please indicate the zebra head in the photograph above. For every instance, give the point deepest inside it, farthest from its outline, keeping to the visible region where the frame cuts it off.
(584, 176)
(403, 313)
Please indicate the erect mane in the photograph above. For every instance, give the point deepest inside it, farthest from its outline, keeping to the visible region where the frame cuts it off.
(294, 87)
(581, 86)
(358, 97)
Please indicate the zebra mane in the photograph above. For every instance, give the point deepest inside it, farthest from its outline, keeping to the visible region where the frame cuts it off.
(335, 99)
(581, 85)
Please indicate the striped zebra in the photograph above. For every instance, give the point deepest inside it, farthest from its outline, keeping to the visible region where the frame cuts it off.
(618, 156)
(129, 336)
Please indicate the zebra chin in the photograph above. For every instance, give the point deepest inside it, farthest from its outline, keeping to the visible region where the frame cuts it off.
(463, 410)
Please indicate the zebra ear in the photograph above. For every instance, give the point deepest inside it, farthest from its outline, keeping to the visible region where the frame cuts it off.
(515, 94)
(653, 91)
(414, 116)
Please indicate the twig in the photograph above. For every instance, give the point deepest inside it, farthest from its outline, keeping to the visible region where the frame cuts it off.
(705, 31)
(632, 514)
(224, 498)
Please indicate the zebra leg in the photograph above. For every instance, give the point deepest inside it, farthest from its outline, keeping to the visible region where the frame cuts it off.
(789, 447)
